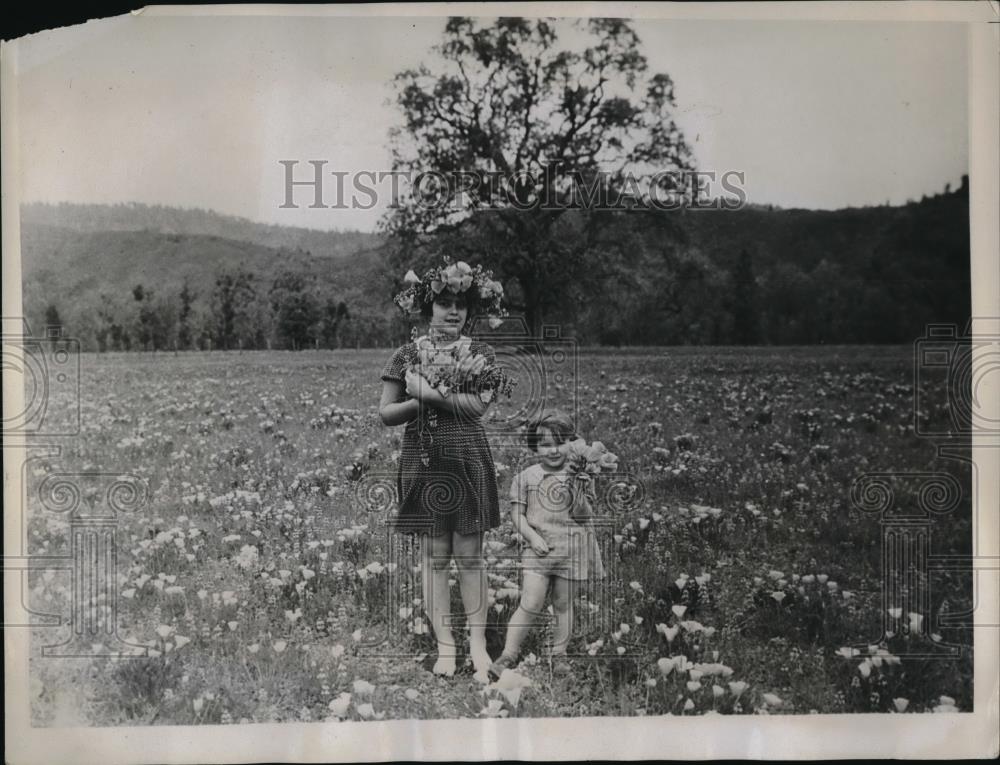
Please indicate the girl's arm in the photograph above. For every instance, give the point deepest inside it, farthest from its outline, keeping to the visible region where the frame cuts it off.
(583, 508)
(467, 405)
(520, 519)
(395, 408)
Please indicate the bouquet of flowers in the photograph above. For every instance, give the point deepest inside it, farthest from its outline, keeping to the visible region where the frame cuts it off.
(449, 368)
(583, 459)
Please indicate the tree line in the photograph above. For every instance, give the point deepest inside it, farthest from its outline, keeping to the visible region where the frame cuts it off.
(235, 311)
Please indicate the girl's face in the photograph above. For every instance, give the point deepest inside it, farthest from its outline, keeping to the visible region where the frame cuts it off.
(449, 314)
(553, 453)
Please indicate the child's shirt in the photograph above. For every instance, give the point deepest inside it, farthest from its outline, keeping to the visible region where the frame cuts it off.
(547, 497)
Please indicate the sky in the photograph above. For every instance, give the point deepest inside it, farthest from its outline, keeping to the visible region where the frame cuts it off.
(198, 112)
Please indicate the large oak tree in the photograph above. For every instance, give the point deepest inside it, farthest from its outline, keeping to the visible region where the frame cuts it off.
(522, 111)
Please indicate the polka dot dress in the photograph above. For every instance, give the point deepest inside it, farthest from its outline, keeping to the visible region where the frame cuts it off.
(447, 480)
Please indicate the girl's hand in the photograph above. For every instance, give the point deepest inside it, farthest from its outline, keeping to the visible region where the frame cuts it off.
(416, 385)
(539, 545)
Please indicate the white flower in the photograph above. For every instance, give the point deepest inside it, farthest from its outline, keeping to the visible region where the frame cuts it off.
(493, 709)
(771, 700)
(164, 631)
(895, 613)
(279, 646)
(778, 595)
(363, 688)
(340, 704)
(181, 641)
(737, 687)
(688, 705)
(198, 704)
(412, 694)
(337, 650)
(693, 685)
(916, 621)
(678, 610)
(901, 704)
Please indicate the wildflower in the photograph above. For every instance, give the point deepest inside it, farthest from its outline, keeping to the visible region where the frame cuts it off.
(164, 631)
(356, 636)
(865, 668)
(678, 610)
(651, 682)
(901, 704)
(772, 700)
(778, 595)
(774, 574)
(624, 628)
(665, 665)
(692, 626)
(847, 652)
(916, 621)
(253, 647)
(688, 705)
(895, 613)
(363, 688)
(718, 691)
(180, 641)
(511, 684)
(340, 704)
(198, 704)
(821, 578)
(412, 694)
(493, 709)
(129, 593)
(668, 632)
(279, 646)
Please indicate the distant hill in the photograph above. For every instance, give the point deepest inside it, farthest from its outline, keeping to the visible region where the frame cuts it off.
(196, 222)
(872, 274)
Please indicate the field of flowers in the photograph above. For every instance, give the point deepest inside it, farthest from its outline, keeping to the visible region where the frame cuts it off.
(262, 586)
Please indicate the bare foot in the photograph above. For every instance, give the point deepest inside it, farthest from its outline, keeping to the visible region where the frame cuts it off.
(445, 664)
(481, 660)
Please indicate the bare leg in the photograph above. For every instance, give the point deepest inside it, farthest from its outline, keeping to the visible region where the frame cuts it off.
(437, 599)
(533, 590)
(562, 604)
(468, 551)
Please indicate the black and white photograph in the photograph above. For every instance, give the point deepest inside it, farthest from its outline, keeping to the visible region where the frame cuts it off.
(625, 377)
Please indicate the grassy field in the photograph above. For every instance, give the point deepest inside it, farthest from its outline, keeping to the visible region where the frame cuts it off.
(261, 580)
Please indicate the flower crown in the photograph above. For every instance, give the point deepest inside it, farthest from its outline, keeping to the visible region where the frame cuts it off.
(457, 278)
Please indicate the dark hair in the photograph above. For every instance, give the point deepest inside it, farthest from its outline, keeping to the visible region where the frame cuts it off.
(554, 421)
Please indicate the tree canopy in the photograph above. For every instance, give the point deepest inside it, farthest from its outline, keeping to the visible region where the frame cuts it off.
(526, 120)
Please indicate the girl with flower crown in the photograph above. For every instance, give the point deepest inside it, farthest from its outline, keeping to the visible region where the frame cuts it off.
(447, 488)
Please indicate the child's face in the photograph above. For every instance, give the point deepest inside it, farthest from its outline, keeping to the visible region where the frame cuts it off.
(449, 314)
(553, 453)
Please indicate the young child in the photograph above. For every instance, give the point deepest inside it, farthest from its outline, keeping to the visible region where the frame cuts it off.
(447, 485)
(551, 509)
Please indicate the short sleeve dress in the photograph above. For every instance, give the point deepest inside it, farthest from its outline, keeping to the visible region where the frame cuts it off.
(456, 490)
(574, 552)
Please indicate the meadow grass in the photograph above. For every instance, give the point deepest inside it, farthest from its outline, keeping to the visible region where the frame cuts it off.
(262, 585)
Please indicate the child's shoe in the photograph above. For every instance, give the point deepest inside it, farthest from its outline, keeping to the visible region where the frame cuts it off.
(504, 662)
